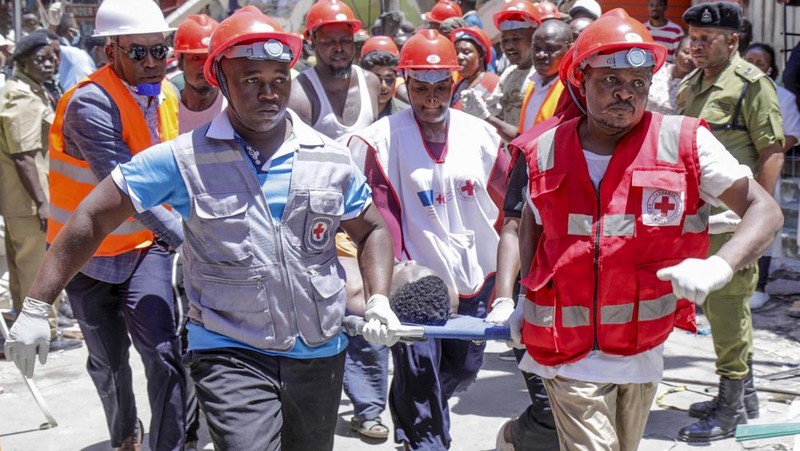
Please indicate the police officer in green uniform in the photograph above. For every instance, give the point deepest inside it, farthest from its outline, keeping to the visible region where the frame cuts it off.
(741, 106)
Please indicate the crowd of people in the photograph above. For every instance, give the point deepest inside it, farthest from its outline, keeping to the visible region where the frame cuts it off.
(587, 180)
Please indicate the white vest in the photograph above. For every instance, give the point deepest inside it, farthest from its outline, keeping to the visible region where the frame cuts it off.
(327, 123)
(447, 215)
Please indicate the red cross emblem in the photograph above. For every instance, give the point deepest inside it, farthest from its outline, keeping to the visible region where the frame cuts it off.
(319, 233)
(441, 199)
(467, 188)
(665, 206)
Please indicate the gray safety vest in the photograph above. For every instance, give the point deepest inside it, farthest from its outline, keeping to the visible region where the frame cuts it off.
(259, 281)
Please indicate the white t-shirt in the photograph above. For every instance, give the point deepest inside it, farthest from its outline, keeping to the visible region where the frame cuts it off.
(718, 171)
(791, 117)
(189, 120)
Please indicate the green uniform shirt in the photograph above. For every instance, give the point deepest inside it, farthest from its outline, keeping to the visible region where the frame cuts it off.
(715, 100)
(25, 119)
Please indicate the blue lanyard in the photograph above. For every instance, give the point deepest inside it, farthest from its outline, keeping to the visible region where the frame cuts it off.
(260, 163)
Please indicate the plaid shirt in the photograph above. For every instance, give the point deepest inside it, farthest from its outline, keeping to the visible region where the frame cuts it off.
(93, 132)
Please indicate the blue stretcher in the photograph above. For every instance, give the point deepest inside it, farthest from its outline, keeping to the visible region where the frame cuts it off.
(459, 327)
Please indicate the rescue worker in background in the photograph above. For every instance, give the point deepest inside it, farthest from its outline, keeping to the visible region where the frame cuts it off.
(474, 50)
(516, 22)
(441, 11)
(200, 100)
(551, 41)
(266, 294)
(438, 177)
(638, 241)
(741, 107)
(380, 56)
(26, 114)
(335, 97)
(125, 287)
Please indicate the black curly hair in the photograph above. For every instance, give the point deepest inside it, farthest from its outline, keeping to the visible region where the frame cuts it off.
(425, 301)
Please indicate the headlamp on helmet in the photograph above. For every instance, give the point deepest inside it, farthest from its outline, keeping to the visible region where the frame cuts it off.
(623, 59)
(431, 76)
(273, 50)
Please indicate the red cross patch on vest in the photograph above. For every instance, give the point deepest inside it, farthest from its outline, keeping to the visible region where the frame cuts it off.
(661, 207)
(318, 234)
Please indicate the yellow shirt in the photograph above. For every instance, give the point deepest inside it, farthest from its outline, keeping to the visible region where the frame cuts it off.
(25, 118)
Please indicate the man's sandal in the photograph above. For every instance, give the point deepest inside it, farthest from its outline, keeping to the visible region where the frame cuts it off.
(370, 428)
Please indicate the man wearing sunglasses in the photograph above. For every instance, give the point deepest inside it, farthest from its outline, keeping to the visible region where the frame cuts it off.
(124, 289)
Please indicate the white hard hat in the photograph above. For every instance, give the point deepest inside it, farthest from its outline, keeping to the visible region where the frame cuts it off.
(124, 17)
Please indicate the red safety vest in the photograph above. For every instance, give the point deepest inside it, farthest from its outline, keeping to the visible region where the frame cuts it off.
(593, 281)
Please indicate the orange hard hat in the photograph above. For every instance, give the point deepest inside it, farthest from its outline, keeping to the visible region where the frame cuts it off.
(518, 11)
(327, 12)
(477, 36)
(549, 10)
(194, 34)
(428, 49)
(249, 25)
(383, 43)
(443, 9)
(624, 40)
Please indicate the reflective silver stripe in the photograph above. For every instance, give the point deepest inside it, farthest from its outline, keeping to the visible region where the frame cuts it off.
(697, 223)
(616, 314)
(539, 315)
(618, 225)
(126, 228)
(579, 225)
(545, 147)
(657, 308)
(669, 138)
(80, 175)
(575, 316)
(226, 156)
(324, 156)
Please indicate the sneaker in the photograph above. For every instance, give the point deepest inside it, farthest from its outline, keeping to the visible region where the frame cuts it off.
(758, 299)
(507, 356)
(63, 344)
(502, 444)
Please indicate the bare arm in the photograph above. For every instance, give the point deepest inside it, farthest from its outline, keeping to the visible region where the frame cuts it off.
(507, 258)
(761, 220)
(298, 100)
(375, 253)
(506, 131)
(105, 208)
(25, 164)
(374, 86)
(770, 163)
(529, 234)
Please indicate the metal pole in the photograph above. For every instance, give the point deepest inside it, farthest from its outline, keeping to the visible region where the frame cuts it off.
(17, 19)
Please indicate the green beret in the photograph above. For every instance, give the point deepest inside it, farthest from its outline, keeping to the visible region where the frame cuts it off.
(725, 15)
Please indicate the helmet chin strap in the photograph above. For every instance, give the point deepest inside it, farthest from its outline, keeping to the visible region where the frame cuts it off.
(575, 99)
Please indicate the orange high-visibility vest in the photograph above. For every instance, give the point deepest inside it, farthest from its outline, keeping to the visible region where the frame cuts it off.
(548, 107)
(71, 179)
(593, 281)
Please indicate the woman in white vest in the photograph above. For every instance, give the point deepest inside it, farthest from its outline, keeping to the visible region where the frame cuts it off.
(437, 177)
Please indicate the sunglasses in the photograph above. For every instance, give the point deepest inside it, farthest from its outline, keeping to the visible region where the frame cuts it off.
(138, 52)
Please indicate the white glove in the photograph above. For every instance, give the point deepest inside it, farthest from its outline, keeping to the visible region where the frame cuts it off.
(382, 323)
(515, 322)
(502, 308)
(493, 104)
(724, 222)
(473, 104)
(695, 278)
(30, 335)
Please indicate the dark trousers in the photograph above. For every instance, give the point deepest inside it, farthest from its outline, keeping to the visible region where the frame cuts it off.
(141, 306)
(763, 272)
(535, 429)
(427, 374)
(254, 401)
(366, 377)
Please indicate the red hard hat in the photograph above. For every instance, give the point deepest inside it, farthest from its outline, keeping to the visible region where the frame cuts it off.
(475, 35)
(383, 43)
(443, 9)
(327, 12)
(245, 26)
(519, 10)
(611, 32)
(194, 34)
(428, 49)
(548, 10)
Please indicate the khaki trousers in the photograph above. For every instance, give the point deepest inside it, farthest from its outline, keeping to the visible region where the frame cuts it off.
(592, 417)
(25, 249)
